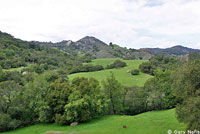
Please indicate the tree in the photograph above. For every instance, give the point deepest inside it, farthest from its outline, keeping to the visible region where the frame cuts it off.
(159, 90)
(85, 102)
(158, 62)
(113, 91)
(135, 72)
(35, 95)
(186, 82)
(58, 95)
(11, 106)
(135, 100)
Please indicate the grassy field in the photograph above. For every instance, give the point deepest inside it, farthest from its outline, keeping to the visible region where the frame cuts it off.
(104, 62)
(19, 69)
(157, 122)
(121, 74)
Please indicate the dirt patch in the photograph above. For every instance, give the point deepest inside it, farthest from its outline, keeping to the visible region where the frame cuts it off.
(53, 132)
(77, 132)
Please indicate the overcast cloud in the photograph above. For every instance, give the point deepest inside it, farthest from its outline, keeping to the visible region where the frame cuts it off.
(129, 23)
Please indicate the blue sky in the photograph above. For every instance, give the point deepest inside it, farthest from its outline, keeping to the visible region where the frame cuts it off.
(128, 23)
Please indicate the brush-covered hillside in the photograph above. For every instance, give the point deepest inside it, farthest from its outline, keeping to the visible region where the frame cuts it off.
(175, 50)
(16, 53)
(97, 49)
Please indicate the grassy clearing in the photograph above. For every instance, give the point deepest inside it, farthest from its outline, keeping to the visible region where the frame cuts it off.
(157, 122)
(104, 62)
(19, 69)
(121, 74)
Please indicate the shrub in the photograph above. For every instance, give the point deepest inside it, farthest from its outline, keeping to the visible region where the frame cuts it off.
(116, 64)
(135, 72)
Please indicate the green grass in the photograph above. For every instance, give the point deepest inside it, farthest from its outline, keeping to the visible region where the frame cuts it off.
(19, 69)
(157, 122)
(121, 74)
(104, 62)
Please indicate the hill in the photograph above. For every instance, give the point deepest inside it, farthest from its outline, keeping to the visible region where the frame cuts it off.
(121, 74)
(157, 122)
(97, 49)
(176, 50)
(16, 53)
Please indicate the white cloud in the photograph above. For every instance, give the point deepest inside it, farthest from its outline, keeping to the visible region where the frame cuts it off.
(125, 22)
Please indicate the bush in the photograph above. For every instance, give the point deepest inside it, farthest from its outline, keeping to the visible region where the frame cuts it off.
(116, 64)
(60, 119)
(135, 72)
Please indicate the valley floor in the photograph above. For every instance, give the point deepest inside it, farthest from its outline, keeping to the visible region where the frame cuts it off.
(156, 122)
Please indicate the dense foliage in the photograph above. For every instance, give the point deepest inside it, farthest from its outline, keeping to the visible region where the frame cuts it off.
(114, 94)
(158, 62)
(86, 68)
(135, 72)
(159, 91)
(116, 64)
(187, 90)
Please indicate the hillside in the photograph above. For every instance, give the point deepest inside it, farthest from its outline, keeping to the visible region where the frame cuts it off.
(158, 122)
(97, 49)
(121, 74)
(176, 50)
(16, 53)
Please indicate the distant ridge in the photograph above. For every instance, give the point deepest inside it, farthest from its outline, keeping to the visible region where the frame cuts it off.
(175, 50)
(97, 48)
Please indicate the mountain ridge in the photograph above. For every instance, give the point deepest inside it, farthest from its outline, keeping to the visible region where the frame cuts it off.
(97, 48)
(175, 50)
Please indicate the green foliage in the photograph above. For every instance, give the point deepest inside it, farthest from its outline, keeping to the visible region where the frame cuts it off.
(58, 95)
(86, 68)
(186, 82)
(12, 108)
(194, 56)
(135, 72)
(135, 100)
(116, 64)
(159, 90)
(15, 53)
(85, 102)
(114, 94)
(158, 62)
(60, 119)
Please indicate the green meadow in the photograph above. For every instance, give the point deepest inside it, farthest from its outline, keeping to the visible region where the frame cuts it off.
(156, 122)
(121, 74)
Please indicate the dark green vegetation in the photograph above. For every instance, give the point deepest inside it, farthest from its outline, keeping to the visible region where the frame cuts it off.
(135, 72)
(177, 86)
(159, 62)
(16, 53)
(116, 64)
(38, 90)
(176, 50)
(97, 49)
(187, 85)
(157, 122)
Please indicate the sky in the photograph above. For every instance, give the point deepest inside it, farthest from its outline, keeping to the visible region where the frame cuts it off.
(128, 23)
